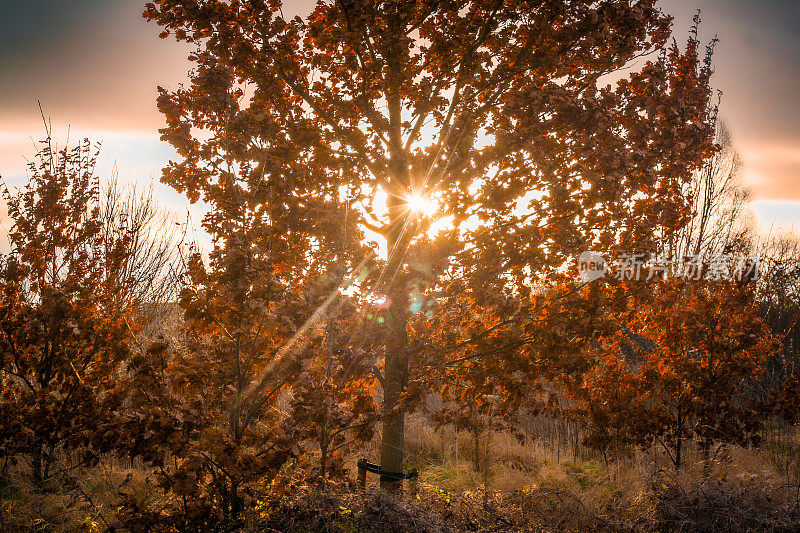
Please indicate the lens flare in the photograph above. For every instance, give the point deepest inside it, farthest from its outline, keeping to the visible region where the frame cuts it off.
(423, 205)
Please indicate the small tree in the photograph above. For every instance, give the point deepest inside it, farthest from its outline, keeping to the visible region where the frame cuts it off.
(152, 268)
(718, 223)
(483, 382)
(709, 343)
(333, 399)
(678, 367)
(614, 406)
(283, 245)
(65, 322)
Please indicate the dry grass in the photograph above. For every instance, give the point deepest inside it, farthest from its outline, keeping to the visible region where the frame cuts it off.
(745, 490)
(77, 499)
(526, 487)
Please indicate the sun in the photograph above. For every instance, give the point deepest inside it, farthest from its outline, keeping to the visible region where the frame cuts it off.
(422, 204)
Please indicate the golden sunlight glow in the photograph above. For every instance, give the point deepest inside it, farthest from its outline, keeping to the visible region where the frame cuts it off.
(416, 203)
(422, 204)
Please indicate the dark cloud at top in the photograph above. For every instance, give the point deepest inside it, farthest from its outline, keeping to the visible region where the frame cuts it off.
(757, 61)
(28, 25)
(93, 63)
(96, 64)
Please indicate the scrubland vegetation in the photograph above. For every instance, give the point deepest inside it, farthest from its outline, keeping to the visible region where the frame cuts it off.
(528, 487)
(153, 384)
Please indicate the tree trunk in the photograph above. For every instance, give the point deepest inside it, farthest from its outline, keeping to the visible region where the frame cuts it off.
(397, 239)
(236, 505)
(395, 376)
(36, 464)
(323, 460)
(705, 448)
(395, 380)
(476, 444)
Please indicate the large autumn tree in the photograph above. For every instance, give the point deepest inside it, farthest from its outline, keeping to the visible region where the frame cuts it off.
(501, 112)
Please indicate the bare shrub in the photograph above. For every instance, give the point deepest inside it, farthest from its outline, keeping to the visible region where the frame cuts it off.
(686, 503)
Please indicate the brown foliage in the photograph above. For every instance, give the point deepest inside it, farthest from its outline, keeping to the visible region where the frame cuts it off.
(299, 123)
(677, 366)
(64, 323)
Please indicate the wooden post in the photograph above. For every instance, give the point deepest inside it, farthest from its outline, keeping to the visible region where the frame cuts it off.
(362, 474)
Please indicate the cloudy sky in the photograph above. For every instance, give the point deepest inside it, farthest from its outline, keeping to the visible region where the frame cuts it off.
(95, 65)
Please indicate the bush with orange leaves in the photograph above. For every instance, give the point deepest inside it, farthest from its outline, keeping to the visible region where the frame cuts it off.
(678, 367)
